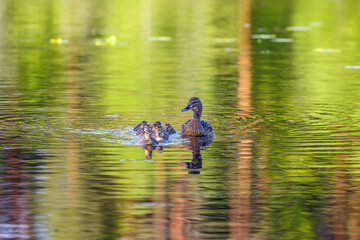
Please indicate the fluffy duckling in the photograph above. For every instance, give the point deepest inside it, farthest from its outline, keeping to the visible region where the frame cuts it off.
(169, 129)
(196, 126)
(140, 125)
(147, 139)
(157, 123)
(141, 130)
(160, 134)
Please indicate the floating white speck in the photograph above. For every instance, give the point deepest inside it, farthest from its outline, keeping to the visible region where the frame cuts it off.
(122, 44)
(326, 50)
(265, 52)
(59, 41)
(282, 40)
(352, 67)
(160, 38)
(113, 116)
(298, 28)
(316, 24)
(263, 36)
(225, 40)
(247, 25)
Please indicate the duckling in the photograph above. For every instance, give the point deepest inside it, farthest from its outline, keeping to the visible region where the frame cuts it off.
(147, 139)
(141, 130)
(160, 134)
(169, 129)
(195, 126)
(140, 125)
(156, 123)
(153, 127)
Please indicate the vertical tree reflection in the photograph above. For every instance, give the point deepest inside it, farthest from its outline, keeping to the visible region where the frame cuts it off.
(240, 194)
(15, 211)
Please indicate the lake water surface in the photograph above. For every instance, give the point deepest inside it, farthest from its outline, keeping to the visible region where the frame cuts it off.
(279, 81)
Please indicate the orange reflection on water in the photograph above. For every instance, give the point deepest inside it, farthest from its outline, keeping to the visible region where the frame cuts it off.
(240, 208)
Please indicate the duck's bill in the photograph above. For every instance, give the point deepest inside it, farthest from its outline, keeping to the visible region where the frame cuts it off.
(186, 108)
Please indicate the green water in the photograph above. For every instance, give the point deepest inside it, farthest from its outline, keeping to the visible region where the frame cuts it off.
(279, 82)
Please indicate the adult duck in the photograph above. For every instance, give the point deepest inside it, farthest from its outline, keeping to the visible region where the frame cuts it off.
(196, 126)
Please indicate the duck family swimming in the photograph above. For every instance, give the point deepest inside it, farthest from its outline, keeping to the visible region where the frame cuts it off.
(155, 133)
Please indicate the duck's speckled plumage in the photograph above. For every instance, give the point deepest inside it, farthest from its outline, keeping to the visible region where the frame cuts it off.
(169, 129)
(196, 126)
(141, 130)
(140, 125)
(147, 139)
(160, 134)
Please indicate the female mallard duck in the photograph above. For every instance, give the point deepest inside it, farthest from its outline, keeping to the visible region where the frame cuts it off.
(147, 139)
(169, 129)
(195, 126)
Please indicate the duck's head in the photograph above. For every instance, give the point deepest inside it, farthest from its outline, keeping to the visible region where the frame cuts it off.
(159, 131)
(147, 131)
(155, 125)
(143, 124)
(195, 105)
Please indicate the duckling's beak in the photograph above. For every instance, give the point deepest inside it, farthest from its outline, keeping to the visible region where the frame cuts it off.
(186, 108)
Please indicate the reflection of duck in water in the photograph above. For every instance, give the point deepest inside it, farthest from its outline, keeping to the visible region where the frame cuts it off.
(196, 126)
(149, 149)
(195, 144)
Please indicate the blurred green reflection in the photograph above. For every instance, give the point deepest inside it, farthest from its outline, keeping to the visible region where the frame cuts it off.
(279, 84)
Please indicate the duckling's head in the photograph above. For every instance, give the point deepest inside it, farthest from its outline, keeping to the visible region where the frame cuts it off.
(147, 131)
(159, 130)
(157, 123)
(143, 124)
(195, 105)
(167, 125)
(154, 126)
